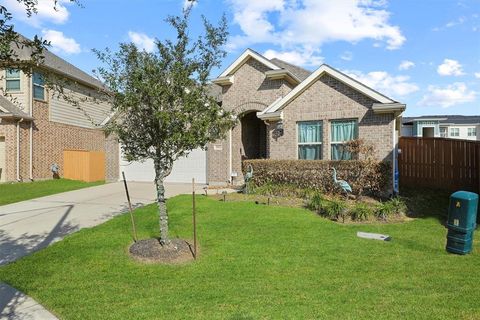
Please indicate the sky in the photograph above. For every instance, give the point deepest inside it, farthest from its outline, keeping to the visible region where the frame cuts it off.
(424, 53)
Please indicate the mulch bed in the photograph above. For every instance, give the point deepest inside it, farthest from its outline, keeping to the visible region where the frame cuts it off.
(151, 251)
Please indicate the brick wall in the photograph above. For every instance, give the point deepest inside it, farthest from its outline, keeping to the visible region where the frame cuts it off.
(251, 91)
(329, 99)
(50, 139)
(8, 130)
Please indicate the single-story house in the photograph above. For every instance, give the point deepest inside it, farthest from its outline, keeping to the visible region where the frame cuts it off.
(442, 126)
(286, 112)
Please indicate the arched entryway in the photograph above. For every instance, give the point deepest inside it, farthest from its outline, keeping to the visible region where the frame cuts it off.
(254, 136)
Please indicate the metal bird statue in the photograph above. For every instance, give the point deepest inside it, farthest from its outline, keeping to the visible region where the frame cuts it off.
(248, 177)
(341, 183)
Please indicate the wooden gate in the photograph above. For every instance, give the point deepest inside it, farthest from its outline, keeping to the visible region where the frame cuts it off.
(439, 163)
(84, 165)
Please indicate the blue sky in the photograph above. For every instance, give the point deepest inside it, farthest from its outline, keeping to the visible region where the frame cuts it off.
(423, 53)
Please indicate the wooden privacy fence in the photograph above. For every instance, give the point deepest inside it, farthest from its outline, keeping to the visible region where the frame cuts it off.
(439, 163)
(84, 165)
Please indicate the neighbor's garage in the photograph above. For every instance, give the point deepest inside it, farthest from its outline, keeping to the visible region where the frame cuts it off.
(194, 165)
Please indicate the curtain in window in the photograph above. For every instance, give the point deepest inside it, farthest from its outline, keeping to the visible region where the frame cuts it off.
(342, 131)
(310, 132)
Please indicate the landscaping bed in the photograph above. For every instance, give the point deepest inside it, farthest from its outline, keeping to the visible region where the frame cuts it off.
(256, 262)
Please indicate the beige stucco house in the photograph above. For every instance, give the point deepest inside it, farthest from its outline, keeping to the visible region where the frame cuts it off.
(37, 124)
(286, 112)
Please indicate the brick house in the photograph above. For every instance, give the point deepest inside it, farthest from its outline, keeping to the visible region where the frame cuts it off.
(37, 124)
(286, 112)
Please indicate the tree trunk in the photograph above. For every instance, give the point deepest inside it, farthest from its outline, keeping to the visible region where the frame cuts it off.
(162, 207)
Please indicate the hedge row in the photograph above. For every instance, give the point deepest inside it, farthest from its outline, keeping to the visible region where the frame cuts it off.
(368, 177)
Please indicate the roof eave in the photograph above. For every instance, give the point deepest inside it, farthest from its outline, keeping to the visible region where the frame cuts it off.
(224, 81)
(282, 74)
(272, 116)
(382, 108)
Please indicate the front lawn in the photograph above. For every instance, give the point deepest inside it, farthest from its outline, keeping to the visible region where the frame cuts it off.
(15, 192)
(256, 262)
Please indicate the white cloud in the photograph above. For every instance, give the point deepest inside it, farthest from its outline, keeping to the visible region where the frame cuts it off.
(477, 75)
(47, 11)
(296, 25)
(406, 64)
(142, 41)
(448, 96)
(188, 3)
(305, 58)
(61, 43)
(450, 67)
(382, 81)
(347, 56)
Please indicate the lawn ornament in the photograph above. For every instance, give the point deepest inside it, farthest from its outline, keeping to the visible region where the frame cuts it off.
(55, 168)
(374, 236)
(341, 183)
(248, 177)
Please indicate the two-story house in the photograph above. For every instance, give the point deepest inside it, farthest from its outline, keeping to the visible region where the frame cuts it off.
(38, 124)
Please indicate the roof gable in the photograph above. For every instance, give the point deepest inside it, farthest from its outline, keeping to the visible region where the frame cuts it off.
(326, 69)
(240, 61)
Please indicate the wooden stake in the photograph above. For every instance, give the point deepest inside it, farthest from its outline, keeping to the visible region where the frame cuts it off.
(135, 238)
(194, 221)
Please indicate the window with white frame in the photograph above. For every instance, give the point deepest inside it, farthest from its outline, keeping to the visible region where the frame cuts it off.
(443, 132)
(38, 86)
(310, 140)
(342, 132)
(454, 132)
(12, 79)
(472, 132)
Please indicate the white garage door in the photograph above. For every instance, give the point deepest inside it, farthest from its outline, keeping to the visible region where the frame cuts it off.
(194, 165)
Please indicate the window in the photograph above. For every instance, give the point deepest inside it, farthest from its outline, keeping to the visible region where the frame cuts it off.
(38, 86)
(454, 132)
(472, 132)
(343, 131)
(13, 80)
(310, 140)
(443, 132)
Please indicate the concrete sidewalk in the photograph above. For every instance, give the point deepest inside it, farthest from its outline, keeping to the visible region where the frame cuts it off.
(31, 225)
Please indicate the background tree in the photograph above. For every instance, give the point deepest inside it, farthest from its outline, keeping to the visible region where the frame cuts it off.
(161, 100)
(10, 41)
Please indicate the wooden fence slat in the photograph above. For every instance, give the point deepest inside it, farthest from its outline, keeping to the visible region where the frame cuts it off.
(439, 163)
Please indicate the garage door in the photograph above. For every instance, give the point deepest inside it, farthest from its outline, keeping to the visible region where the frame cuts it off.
(194, 165)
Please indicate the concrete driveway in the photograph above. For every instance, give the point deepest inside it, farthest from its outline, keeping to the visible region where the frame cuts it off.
(31, 225)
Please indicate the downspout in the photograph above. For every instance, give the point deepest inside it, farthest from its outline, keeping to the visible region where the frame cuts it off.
(230, 165)
(394, 154)
(18, 149)
(31, 126)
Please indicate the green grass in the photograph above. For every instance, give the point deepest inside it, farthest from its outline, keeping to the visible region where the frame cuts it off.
(15, 192)
(257, 262)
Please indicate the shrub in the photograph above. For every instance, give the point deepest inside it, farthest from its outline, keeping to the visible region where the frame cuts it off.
(361, 212)
(334, 209)
(317, 174)
(399, 206)
(315, 202)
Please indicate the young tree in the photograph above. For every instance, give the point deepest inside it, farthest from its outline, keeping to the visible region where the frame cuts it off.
(161, 99)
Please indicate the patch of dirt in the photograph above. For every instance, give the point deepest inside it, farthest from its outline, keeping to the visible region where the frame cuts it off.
(151, 251)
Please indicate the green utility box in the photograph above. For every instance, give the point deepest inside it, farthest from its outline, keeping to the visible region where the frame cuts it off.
(461, 223)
